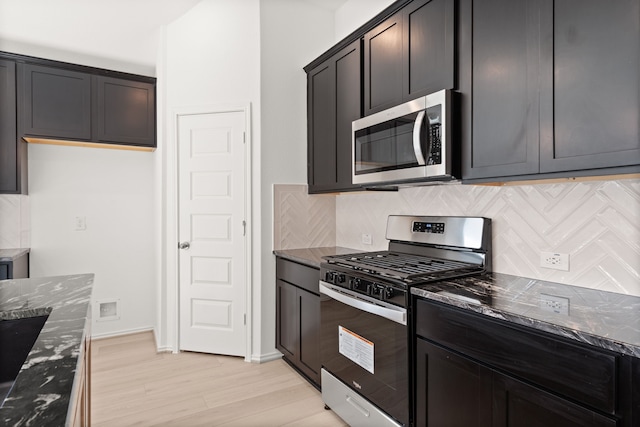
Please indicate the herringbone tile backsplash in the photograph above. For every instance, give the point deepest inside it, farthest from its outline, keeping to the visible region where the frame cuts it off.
(14, 222)
(301, 220)
(596, 222)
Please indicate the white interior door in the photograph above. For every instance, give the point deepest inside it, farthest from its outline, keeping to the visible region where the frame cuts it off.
(212, 215)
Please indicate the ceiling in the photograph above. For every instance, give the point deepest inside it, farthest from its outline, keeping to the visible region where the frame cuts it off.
(97, 28)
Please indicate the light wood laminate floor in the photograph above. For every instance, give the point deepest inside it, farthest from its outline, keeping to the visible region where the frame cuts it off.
(134, 385)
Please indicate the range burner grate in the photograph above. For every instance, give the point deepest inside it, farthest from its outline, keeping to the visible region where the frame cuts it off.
(400, 265)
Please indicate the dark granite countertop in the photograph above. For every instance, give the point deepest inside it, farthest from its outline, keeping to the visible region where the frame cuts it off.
(312, 256)
(41, 394)
(12, 254)
(603, 319)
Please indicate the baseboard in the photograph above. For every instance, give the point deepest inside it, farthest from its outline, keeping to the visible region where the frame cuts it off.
(263, 358)
(95, 337)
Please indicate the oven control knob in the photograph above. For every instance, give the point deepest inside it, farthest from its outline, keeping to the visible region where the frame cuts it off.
(341, 278)
(355, 284)
(329, 276)
(388, 293)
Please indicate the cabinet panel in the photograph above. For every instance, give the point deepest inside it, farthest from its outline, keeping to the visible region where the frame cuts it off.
(9, 161)
(429, 36)
(579, 372)
(287, 321)
(298, 317)
(348, 108)
(4, 271)
(334, 90)
(450, 390)
(56, 102)
(309, 316)
(500, 73)
(383, 65)
(125, 111)
(592, 99)
(322, 161)
(520, 405)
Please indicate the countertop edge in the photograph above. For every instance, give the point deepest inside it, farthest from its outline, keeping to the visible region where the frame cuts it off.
(535, 324)
(54, 356)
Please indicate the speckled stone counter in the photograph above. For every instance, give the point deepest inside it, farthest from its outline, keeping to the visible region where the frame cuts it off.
(12, 254)
(603, 319)
(312, 256)
(41, 394)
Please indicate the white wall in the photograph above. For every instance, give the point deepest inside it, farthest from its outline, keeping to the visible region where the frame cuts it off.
(114, 191)
(210, 59)
(355, 13)
(293, 33)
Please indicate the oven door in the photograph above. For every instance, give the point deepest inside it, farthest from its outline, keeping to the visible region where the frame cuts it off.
(366, 350)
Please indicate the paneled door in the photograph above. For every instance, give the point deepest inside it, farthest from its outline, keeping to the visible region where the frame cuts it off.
(212, 224)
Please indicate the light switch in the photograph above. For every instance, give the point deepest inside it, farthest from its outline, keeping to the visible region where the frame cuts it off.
(81, 223)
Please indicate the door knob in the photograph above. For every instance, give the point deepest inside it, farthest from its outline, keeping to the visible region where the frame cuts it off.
(184, 245)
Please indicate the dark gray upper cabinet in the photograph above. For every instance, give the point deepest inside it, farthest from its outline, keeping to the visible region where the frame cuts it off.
(590, 97)
(333, 103)
(409, 54)
(63, 101)
(124, 111)
(56, 103)
(499, 80)
(11, 151)
(549, 88)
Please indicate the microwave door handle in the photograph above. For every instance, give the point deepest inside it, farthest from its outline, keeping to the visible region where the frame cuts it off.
(417, 147)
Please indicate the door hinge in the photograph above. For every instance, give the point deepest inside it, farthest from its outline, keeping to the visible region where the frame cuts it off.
(244, 227)
(245, 319)
(244, 137)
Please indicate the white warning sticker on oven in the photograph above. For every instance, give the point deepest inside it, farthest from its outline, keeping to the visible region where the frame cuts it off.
(355, 348)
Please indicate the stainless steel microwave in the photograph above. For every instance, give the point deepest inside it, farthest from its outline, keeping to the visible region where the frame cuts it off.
(408, 143)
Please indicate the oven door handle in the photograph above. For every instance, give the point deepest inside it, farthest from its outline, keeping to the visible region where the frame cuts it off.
(388, 311)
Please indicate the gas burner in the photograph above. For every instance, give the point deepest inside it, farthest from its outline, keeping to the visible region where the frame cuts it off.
(407, 267)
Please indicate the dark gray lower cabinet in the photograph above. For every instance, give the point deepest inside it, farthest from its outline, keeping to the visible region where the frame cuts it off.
(17, 268)
(475, 371)
(298, 317)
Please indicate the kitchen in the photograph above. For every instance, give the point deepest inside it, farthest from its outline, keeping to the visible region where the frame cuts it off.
(128, 214)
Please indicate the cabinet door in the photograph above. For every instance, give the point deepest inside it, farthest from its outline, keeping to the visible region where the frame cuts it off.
(499, 81)
(517, 404)
(56, 103)
(124, 111)
(8, 137)
(5, 270)
(333, 103)
(450, 390)
(321, 171)
(591, 95)
(428, 46)
(287, 325)
(348, 108)
(383, 65)
(309, 315)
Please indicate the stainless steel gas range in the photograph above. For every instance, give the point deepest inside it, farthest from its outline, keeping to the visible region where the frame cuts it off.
(366, 309)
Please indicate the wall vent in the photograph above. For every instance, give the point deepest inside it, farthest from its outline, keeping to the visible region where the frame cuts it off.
(108, 310)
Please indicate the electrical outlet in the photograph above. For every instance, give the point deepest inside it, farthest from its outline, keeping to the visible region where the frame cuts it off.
(554, 261)
(81, 223)
(554, 304)
(366, 239)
